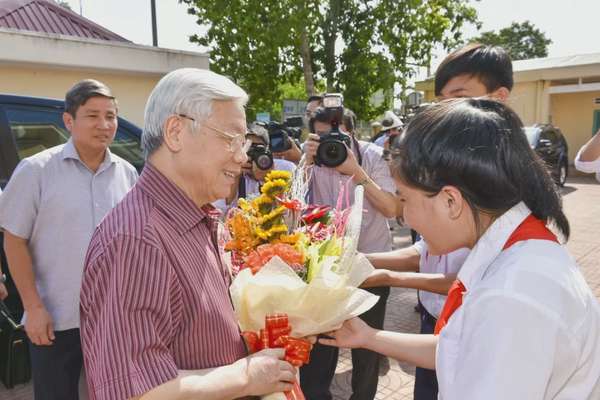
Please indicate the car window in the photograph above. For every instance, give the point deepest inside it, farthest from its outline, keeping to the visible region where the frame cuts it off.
(549, 135)
(36, 129)
(532, 134)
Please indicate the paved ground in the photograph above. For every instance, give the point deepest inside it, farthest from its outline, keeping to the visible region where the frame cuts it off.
(582, 205)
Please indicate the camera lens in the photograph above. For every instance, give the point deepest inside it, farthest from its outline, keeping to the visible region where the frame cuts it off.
(332, 153)
(264, 162)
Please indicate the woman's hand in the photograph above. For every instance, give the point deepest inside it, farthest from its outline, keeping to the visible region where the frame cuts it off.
(353, 334)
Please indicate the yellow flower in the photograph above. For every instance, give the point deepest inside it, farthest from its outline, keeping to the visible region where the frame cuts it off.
(272, 215)
(277, 174)
(244, 205)
(274, 188)
(279, 228)
(290, 239)
(262, 204)
(261, 233)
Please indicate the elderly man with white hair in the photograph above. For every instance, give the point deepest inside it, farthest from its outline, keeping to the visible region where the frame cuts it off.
(156, 317)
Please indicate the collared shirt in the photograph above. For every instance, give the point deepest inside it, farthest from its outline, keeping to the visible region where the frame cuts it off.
(155, 293)
(253, 186)
(55, 201)
(445, 264)
(528, 327)
(588, 167)
(326, 184)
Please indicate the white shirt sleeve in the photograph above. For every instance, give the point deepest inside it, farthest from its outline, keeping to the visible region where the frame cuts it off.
(587, 166)
(505, 350)
(20, 200)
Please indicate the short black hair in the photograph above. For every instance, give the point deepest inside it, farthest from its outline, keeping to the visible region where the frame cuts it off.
(84, 90)
(315, 97)
(479, 147)
(491, 64)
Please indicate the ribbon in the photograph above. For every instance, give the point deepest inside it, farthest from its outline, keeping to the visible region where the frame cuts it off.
(276, 335)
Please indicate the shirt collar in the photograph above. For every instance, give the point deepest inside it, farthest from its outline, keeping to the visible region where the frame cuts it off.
(70, 152)
(490, 245)
(174, 202)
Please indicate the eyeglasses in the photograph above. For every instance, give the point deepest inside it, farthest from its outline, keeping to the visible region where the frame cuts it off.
(234, 142)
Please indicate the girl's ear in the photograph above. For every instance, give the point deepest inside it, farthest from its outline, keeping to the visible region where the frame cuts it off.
(453, 201)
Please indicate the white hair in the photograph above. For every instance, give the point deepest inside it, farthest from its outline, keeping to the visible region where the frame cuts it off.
(188, 91)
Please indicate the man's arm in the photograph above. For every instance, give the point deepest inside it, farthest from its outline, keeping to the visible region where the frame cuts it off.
(591, 150)
(38, 324)
(385, 202)
(259, 374)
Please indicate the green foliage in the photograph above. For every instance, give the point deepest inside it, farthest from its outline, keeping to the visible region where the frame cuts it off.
(521, 40)
(357, 47)
(64, 4)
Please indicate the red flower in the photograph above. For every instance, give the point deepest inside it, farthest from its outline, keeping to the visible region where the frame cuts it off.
(291, 204)
(314, 213)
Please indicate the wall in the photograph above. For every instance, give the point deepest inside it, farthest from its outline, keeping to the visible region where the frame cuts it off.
(573, 114)
(130, 90)
(523, 100)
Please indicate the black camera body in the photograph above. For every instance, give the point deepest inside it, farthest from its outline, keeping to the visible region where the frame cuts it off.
(279, 138)
(261, 155)
(333, 147)
(281, 135)
(332, 150)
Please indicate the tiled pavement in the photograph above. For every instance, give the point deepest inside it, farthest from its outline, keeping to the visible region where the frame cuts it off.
(582, 205)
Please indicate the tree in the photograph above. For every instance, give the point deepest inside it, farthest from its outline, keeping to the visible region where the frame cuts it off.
(64, 4)
(521, 40)
(357, 47)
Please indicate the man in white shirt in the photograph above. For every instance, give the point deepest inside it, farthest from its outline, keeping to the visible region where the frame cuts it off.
(588, 157)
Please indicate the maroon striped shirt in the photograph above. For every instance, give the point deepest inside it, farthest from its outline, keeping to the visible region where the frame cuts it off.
(154, 297)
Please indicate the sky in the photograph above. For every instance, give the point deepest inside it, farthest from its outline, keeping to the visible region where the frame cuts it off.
(570, 24)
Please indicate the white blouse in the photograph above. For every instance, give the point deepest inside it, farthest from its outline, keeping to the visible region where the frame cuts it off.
(529, 325)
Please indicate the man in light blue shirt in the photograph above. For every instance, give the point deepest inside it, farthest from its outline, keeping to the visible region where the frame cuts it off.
(48, 212)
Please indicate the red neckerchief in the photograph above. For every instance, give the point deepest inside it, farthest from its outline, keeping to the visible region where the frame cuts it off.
(530, 228)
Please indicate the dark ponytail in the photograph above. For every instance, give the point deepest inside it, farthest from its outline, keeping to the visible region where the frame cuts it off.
(479, 147)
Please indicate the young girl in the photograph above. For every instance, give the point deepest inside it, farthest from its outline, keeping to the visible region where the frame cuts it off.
(520, 322)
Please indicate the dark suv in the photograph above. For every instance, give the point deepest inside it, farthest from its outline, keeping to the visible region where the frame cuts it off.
(29, 125)
(550, 144)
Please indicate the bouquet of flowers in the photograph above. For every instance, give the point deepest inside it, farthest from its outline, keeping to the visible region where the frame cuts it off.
(297, 259)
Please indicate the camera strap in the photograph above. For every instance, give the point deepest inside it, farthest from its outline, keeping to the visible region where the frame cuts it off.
(357, 145)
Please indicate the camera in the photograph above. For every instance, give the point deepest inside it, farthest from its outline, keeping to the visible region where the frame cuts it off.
(281, 135)
(261, 155)
(333, 147)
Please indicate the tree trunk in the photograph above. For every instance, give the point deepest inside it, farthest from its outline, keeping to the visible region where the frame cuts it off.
(309, 81)
(330, 31)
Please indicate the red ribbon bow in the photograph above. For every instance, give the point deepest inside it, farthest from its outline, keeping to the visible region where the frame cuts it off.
(276, 335)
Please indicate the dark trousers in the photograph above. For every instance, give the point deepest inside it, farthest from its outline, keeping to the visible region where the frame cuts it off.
(56, 369)
(426, 384)
(316, 377)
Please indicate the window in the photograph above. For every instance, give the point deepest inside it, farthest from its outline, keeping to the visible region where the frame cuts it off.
(549, 135)
(38, 128)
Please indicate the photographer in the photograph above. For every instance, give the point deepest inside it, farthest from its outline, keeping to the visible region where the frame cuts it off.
(338, 159)
(260, 161)
(283, 141)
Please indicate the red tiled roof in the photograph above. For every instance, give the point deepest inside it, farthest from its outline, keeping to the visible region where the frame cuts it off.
(47, 16)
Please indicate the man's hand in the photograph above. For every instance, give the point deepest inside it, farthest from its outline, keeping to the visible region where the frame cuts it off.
(310, 148)
(3, 291)
(355, 333)
(350, 165)
(265, 372)
(39, 326)
(293, 154)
